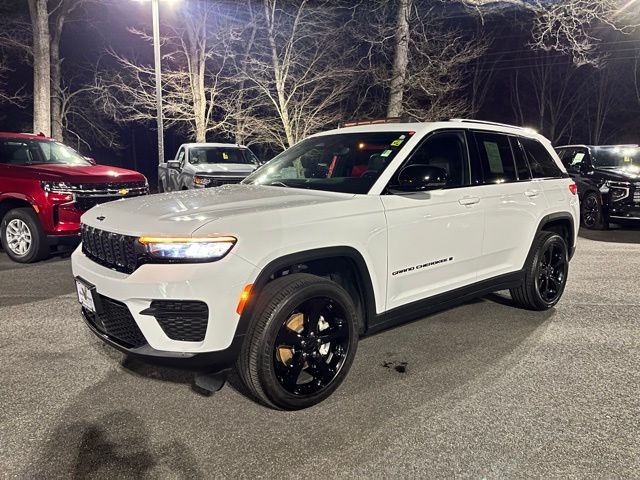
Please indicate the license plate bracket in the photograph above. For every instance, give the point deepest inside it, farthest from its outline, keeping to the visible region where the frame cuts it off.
(87, 295)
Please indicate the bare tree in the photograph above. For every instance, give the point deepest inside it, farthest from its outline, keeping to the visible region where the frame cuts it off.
(430, 63)
(38, 10)
(296, 74)
(192, 75)
(546, 95)
(570, 26)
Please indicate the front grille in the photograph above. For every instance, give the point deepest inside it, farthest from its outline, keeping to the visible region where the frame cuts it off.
(115, 321)
(109, 249)
(183, 320)
(636, 194)
(89, 195)
(218, 181)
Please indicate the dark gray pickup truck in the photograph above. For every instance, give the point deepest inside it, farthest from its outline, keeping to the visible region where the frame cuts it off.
(201, 165)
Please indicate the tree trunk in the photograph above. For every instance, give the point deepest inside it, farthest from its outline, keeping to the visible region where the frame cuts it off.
(401, 59)
(196, 53)
(41, 67)
(57, 131)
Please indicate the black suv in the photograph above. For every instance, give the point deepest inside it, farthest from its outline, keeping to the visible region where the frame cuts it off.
(608, 179)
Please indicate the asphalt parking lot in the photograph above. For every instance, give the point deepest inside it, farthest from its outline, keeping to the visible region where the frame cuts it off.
(479, 391)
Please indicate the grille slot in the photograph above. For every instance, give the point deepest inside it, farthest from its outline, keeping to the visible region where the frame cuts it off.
(183, 320)
(117, 323)
(89, 195)
(219, 181)
(110, 250)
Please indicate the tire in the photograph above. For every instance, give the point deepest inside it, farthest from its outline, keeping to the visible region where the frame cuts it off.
(546, 272)
(592, 214)
(24, 222)
(272, 369)
(160, 187)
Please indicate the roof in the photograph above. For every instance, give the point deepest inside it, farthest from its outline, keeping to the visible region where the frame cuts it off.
(599, 146)
(209, 144)
(24, 136)
(424, 127)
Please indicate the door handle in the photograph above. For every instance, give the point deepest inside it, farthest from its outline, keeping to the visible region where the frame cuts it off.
(469, 200)
(532, 193)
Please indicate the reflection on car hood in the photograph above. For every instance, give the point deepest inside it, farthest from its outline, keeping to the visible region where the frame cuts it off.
(181, 213)
(242, 169)
(632, 172)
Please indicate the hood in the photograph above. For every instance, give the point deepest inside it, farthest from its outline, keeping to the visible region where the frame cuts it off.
(622, 174)
(242, 169)
(182, 213)
(83, 173)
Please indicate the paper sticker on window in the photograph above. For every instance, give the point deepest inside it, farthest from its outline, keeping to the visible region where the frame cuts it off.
(397, 143)
(627, 159)
(386, 153)
(577, 159)
(225, 156)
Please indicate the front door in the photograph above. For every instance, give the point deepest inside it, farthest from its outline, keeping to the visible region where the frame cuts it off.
(434, 237)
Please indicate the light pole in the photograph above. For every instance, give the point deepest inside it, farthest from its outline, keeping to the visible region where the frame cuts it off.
(156, 54)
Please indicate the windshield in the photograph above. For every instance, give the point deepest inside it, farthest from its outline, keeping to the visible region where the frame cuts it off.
(616, 157)
(202, 155)
(38, 152)
(347, 162)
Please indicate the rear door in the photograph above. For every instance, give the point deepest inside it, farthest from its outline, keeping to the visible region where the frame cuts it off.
(545, 169)
(434, 237)
(513, 202)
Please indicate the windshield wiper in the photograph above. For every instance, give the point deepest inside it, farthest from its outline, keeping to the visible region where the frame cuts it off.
(277, 183)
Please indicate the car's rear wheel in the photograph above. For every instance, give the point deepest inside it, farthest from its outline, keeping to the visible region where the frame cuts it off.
(22, 236)
(546, 272)
(592, 213)
(301, 342)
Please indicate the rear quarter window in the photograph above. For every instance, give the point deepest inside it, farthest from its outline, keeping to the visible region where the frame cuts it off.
(540, 160)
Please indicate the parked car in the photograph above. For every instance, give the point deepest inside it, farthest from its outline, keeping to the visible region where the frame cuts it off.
(608, 179)
(202, 165)
(348, 232)
(45, 187)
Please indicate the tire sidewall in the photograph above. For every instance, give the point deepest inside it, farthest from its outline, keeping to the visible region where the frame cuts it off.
(557, 239)
(266, 370)
(36, 247)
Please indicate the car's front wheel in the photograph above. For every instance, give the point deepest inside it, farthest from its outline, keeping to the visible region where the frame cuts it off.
(22, 236)
(592, 213)
(301, 342)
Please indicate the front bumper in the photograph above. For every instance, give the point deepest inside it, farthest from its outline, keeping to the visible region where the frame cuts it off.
(217, 284)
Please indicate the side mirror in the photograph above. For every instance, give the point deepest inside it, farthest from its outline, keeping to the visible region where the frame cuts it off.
(92, 161)
(173, 164)
(420, 178)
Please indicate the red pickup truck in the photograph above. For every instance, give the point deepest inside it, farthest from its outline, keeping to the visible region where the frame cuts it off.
(45, 187)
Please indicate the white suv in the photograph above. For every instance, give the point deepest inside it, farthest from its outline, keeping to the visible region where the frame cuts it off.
(346, 233)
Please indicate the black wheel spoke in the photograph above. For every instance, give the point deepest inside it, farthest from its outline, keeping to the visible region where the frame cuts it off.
(293, 370)
(312, 314)
(288, 337)
(321, 370)
(332, 334)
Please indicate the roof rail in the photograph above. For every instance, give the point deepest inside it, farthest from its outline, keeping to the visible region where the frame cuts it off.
(355, 123)
(486, 122)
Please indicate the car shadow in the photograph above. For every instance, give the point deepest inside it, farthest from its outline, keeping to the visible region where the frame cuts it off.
(115, 445)
(615, 234)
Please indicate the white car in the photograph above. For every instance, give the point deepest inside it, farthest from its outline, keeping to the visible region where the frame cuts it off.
(346, 233)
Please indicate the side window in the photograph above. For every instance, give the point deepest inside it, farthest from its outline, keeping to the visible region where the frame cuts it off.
(542, 163)
(180, 157)
(575, 161)
(522, 167)
(446, 150)
(496, 157)
(15, 152)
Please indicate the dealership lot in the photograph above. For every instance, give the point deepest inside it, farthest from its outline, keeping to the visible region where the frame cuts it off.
(481, 390)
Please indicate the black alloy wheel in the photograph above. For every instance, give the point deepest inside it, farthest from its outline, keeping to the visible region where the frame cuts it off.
(592, 212)
(311, 346)
(551, 273)
(301, 340)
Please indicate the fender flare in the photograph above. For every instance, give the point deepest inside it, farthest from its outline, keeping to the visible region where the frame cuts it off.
(552, 217)
(362, 270)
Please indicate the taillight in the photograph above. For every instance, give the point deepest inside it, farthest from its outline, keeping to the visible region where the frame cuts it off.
(573, 188)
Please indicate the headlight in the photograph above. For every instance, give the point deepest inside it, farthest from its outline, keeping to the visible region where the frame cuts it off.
(195, 249)
(201, 181)
(618, 190)
(56, 187)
